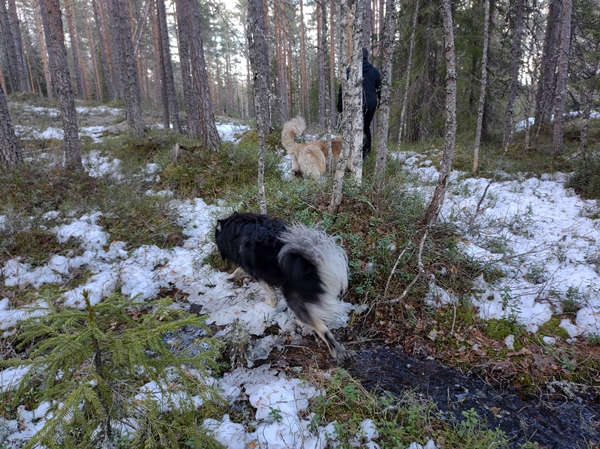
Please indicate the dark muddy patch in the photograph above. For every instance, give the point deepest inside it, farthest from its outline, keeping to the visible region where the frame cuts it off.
(559, 419)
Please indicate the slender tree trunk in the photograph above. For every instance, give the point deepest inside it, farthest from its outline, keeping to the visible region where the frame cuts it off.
(321, 76)
(515, 64)
(10, 153)
(303, 72)
(43, 52)
(482, 91)
(167, 66)
(353, 95)
(338, 178)
(75, 52)
(104, 70)
(387, 47)
(22, 70)
(408, 69)
(10, 52)
(433, 211)
(258, 51)
(53, 28)
(564, 50)
(280, 59)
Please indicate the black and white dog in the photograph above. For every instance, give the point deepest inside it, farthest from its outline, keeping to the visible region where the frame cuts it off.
(308, 265)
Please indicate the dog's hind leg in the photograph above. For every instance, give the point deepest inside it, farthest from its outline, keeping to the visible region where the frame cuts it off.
(335, 349)
(237, 275)
(271, 294)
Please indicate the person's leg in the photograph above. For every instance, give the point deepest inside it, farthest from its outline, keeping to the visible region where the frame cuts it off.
(367, 131)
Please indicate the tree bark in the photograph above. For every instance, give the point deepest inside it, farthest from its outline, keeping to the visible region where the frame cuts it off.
(75, 52)
(24, 81)
(408, 69)
(387, 47)
(10, 52)
(129, 72)
(201, 121)
(433, 211)
(482, 91)
(564, 50)
(53, 28)
(547, 76)
(167, 76)
(10, 153)
(258, 52)
(43, 53)
(515, 63)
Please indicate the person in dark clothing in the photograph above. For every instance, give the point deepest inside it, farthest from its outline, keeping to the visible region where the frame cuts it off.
(371, 97)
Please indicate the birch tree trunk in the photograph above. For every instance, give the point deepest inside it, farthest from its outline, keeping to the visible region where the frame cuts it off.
(338, 178)
(353, 94)
(352, 117)
(433, 211)
(55, 40)
(408, 69)
(259, 60)
(258, 51)
(387, 47)
(515, 63)
(482, 91)
(10, 153)
(562, 73)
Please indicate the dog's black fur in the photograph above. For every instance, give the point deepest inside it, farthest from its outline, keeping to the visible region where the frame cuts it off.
(307, 264)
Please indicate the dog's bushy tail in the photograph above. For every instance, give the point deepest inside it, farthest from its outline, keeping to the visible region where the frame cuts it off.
(291, 129)
(316, 300)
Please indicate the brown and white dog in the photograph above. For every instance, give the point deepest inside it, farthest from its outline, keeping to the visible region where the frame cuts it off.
(308, 158)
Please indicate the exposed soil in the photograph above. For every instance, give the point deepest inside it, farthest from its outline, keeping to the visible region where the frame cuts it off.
(568, 418)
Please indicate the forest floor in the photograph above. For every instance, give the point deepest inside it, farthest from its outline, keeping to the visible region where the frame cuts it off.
(519, 345)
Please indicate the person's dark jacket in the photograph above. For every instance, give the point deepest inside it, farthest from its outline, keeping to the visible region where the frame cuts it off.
(371, 87)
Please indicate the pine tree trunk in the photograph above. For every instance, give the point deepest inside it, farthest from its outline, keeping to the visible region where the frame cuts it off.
(167, 66)
(201, 120)
(515, 63)
(408, 69)
(562, 73)
(10, 153)
(545, 94)
(103, 44)
(435, 207)
(303, 72)
(482, 91)
(43, 53)
(10, 52)
(77, 71)
(129, 72)
(387, 47)
(53, 28)
(22, 71)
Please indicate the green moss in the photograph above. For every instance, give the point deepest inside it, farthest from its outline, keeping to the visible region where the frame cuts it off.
(499, 329)
(552, 328)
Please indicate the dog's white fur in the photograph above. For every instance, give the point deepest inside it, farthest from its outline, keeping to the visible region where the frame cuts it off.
(309, 158)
